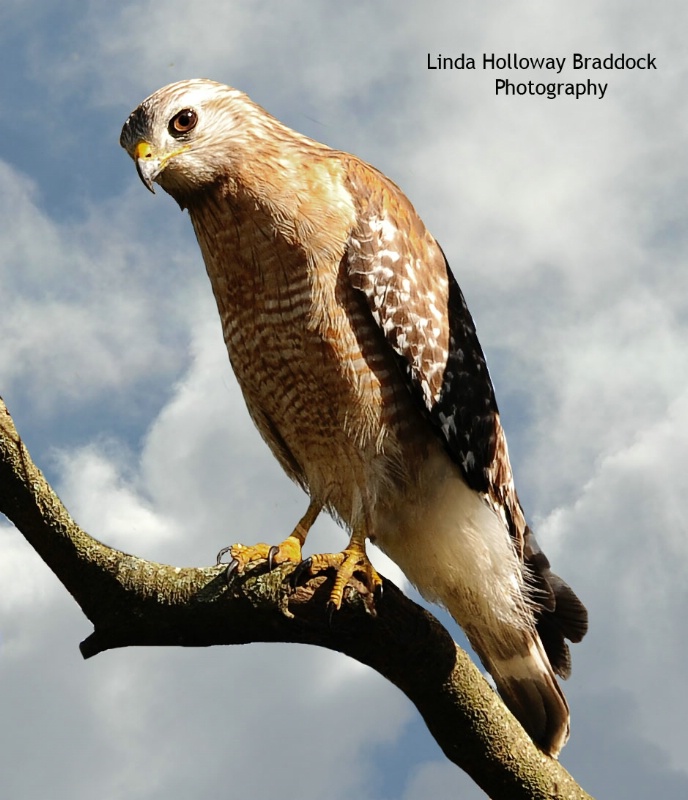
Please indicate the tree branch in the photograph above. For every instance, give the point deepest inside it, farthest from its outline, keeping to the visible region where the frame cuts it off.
(131, 601)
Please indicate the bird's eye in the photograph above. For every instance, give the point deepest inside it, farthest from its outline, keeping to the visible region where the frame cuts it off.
(183, 122)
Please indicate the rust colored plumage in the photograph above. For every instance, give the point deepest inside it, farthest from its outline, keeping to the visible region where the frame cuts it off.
(361, 368)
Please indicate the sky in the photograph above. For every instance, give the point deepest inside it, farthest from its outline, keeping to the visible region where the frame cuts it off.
(563, 220)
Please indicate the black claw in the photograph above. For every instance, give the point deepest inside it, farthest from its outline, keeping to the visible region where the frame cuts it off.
(298, 571)
(231, 569)
(272, 552)
(222, 553)
(379, 591)
(331, 609)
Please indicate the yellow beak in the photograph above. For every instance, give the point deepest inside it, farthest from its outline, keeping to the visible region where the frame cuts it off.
(148, 165)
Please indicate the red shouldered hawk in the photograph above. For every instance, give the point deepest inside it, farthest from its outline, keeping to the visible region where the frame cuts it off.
(360, 365)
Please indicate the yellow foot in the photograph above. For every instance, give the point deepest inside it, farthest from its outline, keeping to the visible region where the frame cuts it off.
(241, 556)
(347, 564)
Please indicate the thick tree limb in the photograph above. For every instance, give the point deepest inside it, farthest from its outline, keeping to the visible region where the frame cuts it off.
(131, 601)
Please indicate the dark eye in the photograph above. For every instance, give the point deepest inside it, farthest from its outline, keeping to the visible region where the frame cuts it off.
(183, 122)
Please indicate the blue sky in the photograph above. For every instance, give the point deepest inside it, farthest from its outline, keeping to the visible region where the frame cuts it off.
(564, 221)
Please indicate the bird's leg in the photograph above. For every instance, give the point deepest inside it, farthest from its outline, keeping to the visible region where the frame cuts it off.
(353, 560)
(288, 550)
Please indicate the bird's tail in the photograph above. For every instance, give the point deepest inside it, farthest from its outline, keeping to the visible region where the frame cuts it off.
(518, 631)
(517, 614)
(517, 661)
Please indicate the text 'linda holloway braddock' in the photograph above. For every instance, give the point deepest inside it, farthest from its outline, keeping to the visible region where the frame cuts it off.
(556, 64)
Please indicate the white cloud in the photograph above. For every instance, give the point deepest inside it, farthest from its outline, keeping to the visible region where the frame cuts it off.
(26, 585)
(82, 317)
(106, 503)
(626, 542)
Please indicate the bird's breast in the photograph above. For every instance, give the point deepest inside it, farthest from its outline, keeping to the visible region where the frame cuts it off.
(317, 376)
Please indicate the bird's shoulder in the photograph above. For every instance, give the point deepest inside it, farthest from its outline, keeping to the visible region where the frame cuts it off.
(416, 301)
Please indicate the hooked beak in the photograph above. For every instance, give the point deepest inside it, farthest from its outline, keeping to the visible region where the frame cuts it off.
(148, 165)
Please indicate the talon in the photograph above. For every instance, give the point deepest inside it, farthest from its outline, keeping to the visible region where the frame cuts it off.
(272, 553)
(304, 566)
(245, 557)
(232, 567)
(288, 552)
(350, 565)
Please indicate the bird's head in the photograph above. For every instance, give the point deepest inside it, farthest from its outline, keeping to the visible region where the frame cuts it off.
(190, 134)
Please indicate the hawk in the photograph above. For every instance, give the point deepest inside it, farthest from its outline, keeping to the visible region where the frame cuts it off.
(360, 366)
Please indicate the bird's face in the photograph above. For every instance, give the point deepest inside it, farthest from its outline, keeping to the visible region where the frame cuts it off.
(179, 136)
